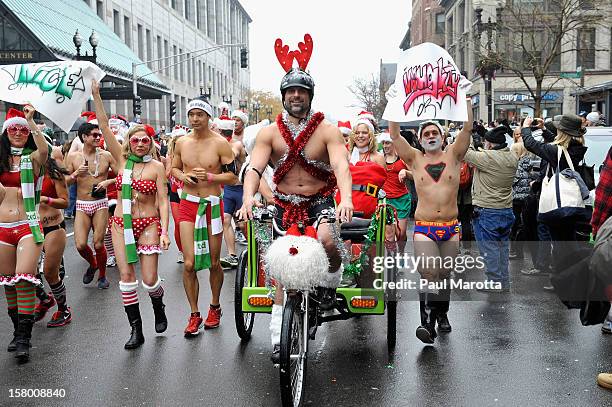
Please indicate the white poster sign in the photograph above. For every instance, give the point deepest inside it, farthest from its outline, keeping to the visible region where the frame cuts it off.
(57, 89)
(428, 85)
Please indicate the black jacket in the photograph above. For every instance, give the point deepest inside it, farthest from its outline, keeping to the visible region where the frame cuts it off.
(548, 152)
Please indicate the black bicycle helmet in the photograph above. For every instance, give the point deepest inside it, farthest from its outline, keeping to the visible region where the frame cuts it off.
(297, 78)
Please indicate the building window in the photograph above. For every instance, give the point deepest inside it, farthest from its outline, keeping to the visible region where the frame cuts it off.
(173, 4)
(201, 12)
(188, 63)
(140, 42)
(160, 63)
(116, 23)
(449, 31)
(461, 18)
(166, 60)
(586, 48)
(176, 65)
(127, 31)
(181, 65)
(210, 13)
(440, 23)
(100, 9)
(148, 45)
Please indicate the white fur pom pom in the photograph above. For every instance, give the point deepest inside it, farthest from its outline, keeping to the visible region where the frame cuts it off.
(306, 268)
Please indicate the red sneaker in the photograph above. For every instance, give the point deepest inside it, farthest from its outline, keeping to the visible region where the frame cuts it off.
(214, 318)
(194, 326)
(42, 307)
(60, 318)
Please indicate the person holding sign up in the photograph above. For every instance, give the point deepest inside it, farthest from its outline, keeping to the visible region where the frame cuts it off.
(432, 90)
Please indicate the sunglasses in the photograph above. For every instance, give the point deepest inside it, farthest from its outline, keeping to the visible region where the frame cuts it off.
(12, 130)
(96, 135)
(146, 140)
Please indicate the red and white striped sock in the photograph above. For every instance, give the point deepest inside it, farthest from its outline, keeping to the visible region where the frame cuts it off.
(129, 293)
(108, 243)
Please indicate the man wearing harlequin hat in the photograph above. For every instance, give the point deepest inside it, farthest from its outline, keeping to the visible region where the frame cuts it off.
(310, 163)
(203, 161)
(89, 170)
(436, 232)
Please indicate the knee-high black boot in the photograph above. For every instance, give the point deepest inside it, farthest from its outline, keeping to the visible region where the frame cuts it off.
(24, 334)
(136, 337)
(12, 347)
(161, 322)
(427, 331)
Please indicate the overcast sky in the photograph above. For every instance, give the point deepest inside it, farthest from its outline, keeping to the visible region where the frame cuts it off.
(350, 37)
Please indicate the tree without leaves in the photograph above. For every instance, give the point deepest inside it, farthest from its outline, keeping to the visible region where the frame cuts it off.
(265, 99)
(532, 37)
(370, 94)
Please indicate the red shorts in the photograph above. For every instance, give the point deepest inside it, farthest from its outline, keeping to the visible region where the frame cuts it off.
(189, 210)
(12, 233)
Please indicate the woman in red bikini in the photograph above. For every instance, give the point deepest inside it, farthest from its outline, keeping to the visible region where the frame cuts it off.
(140, 224)
(53, 201)
(23, 154)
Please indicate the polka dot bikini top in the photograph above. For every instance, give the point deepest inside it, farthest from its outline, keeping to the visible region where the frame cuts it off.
(144, 186)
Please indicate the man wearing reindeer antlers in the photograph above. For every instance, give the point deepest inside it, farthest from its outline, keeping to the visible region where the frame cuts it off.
(310, 163)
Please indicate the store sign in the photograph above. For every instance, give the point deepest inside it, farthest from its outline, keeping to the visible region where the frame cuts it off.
(522, 98)
(16, 56)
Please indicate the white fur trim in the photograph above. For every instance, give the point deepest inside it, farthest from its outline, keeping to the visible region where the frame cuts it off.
(148, 249)
(12, 280)
(154, 286)
(14, 120)
(301, 271)
(332, 280)
(363, 120)
(345, 130)
(223, 105)
(127, 287)
(383, 137)
(368, 116)
(241, 115)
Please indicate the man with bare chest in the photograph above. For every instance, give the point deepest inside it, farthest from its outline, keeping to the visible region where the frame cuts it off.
(310, 162)
(89, 170)
(436, 232)
(203, 161)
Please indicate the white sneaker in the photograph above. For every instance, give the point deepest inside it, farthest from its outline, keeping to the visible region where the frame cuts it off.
(111, 261)
(180, 258)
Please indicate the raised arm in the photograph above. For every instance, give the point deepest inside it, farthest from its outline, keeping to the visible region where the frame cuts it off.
(545, 151)
(463, 139)
(406, 152)
(42, 148)
(340, 164)
(112, 145)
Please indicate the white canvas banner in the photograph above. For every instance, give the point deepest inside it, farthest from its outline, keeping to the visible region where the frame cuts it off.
(428, 85)
(57, 89)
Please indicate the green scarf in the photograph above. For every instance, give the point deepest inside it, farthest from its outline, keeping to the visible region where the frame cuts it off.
(126, 204)
(31, 193)
(200, 230)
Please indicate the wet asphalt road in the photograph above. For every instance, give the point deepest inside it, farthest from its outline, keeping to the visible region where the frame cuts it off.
(523, 350)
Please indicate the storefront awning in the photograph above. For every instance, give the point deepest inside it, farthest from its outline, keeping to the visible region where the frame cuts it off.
(594, 89)
(53, 23)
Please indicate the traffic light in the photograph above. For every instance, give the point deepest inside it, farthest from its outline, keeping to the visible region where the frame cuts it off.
(244, 58)
(172, 113)
(137, 107)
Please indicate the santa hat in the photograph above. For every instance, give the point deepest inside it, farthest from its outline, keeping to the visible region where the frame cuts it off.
(14, 116)
(367, 122)
(117, 120)
(90, 117)
(241, 115)
(383, 137)
(150, 131)
(345, 127)
(224, 108)
(366, 115)
(178, 130)
(225, 123)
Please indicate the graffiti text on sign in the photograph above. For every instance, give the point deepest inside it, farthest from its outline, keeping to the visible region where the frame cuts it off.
(51, 78)
(438, 82)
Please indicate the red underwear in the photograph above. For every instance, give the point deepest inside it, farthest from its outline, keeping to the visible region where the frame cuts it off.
(12, 233)
(189, 210)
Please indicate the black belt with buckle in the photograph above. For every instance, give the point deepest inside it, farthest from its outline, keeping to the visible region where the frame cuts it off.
(369, 189)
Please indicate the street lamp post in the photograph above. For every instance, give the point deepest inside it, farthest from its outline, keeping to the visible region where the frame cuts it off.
(78, 41)
(256, 107)
(269, 111)
(209, 87)
(242, 104)
(228, 100)
(488, 65)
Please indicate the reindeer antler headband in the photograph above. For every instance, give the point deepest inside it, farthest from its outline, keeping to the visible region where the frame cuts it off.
(302, 56)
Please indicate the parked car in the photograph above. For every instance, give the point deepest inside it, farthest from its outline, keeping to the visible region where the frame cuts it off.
(598, 140)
